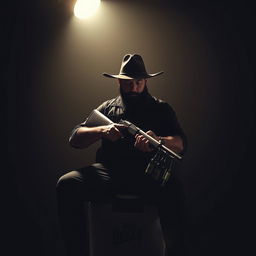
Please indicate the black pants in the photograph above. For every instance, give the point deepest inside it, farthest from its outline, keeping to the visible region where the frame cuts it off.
(96, 183)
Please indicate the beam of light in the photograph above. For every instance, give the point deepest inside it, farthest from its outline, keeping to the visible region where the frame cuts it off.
(86, 8)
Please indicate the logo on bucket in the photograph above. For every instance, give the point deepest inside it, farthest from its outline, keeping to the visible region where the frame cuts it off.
(126, 233)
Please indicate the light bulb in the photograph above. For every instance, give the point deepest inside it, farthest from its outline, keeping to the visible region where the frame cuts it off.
(86, 8)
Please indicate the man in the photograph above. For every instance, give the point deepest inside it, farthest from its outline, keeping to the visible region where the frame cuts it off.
(122, 159)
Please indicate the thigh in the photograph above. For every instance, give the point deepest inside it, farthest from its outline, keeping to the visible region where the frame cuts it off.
(90, 183)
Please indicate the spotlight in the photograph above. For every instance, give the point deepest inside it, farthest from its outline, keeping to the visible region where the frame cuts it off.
(85, 8)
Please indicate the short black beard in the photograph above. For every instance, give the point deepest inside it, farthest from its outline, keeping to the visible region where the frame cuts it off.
(132, 99)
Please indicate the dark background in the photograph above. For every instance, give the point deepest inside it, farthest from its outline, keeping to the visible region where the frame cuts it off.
(52, 78)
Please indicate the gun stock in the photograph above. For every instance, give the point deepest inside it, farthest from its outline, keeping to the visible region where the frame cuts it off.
(96, 118)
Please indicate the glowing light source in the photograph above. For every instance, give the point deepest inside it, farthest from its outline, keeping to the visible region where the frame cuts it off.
(85, 8)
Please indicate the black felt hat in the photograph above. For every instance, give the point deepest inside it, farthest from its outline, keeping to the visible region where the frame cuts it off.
(132, 67)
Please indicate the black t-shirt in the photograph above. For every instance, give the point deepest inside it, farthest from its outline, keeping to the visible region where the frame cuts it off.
(151, 114)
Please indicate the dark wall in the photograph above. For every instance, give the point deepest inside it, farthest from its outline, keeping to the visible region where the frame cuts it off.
(53, 80)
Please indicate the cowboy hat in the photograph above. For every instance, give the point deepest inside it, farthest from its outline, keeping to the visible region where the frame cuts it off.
(132, 67)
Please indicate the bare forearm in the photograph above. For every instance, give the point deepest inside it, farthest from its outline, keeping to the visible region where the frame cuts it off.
(174, 143)
(85, 136)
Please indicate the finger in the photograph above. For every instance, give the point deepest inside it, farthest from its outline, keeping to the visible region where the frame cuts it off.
(117, 132)
(115, 128)
(113, 133)
(145, 145)
(148, 148)
(137, 141)
(142, 144)
(140, 139)
(151, 133)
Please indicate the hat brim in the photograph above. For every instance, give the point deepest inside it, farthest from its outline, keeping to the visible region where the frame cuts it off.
(132, 77)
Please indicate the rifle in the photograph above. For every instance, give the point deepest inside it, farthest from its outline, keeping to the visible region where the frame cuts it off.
(160, 166)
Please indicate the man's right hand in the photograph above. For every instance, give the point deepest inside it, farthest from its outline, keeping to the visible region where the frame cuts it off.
(112, 132)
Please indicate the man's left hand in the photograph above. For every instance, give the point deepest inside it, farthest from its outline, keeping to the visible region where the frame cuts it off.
(142, 143)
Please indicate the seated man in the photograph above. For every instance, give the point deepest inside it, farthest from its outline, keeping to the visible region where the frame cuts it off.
(122, 159)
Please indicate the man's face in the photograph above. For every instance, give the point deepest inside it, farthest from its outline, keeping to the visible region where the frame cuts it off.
(132, 87)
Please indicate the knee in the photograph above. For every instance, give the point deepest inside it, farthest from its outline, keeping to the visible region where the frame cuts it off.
(68, 182)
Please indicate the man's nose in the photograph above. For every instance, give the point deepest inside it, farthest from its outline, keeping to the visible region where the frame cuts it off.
(133, 87)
